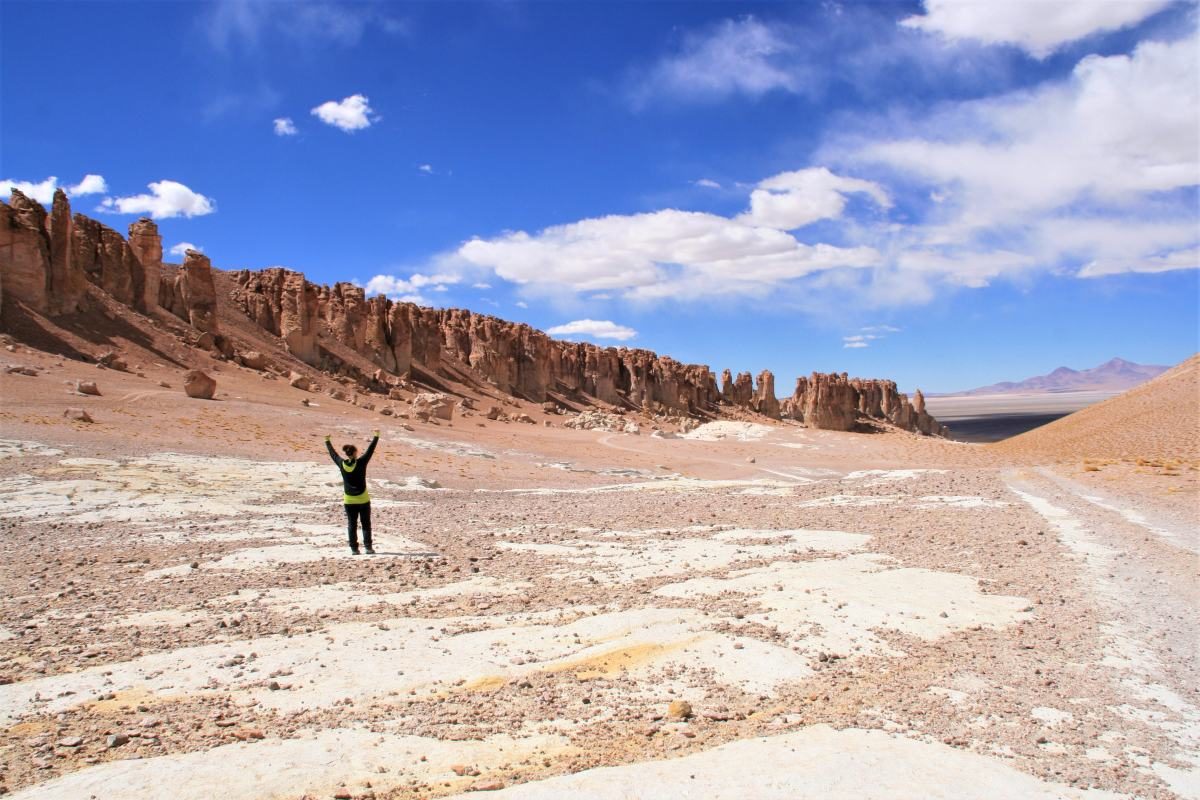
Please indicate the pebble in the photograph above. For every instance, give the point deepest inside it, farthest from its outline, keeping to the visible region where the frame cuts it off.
(116, 740)
(679, 709)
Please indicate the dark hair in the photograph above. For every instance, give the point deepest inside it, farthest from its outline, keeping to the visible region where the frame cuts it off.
(350, 450)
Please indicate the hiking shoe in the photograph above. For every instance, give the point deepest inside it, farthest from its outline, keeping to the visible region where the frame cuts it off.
(354, 551)
(370, 551)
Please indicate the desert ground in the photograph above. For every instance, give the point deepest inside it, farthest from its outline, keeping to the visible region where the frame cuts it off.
(753, 609)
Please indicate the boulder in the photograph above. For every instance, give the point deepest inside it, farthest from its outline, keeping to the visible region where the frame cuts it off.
(254, 360)
(77, 415)
(87, 387)
(298, 381)
(199, 385)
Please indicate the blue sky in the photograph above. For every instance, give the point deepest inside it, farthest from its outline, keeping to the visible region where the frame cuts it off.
(947, 194)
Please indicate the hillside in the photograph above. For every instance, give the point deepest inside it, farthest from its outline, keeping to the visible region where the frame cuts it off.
(1159, 419)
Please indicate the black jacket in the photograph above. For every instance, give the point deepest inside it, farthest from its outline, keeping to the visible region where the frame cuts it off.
(354, 471)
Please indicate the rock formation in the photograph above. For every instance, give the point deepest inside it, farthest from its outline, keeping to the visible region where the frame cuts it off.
(146, 244)
(25, 249)
(48, 261)
(837, 402)
(285, 304)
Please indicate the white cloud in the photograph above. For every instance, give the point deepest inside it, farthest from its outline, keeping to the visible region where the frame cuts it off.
(1178, 259)
(409, 289)
(285, 127)
(481, 285)
(247, 22)
(1085, 170)
(1039, 28)
(43, 191)
(426, 168)
(794, 199)
(707, 183)
(182, 248)
(522, 304)
(91, 184)
(349, 114)
(741, 56)
(593, 329)
(852, 345)
(166, 199)
(668, 253)
(880, 329)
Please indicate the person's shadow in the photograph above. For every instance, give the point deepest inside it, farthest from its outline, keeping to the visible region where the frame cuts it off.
(406, 555)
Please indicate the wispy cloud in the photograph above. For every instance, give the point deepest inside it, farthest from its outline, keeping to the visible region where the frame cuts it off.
(247, 24)
(284, 126)
(593, 329)
(166, 199)
(350, 114)
(707, 183)
(426, 168)
(743, 56)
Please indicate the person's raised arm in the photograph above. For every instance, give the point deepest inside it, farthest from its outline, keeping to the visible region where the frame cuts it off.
(370, 449)
(332, 453)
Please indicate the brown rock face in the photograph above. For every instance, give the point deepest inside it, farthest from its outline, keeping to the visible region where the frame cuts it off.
(194, 298)
(836, 402)
(107, 261)
(199, 385)
(25, 250)
(146, 245)
(285, 304)
(764, 400)
(67, 280)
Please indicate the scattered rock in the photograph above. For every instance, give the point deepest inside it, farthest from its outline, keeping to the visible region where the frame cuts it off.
(679, 709)
(87, 387)
(116, 740)
(77, 415)
(199, 385)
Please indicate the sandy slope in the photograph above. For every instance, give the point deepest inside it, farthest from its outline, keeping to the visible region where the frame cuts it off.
(848, 615)
(1158, 420)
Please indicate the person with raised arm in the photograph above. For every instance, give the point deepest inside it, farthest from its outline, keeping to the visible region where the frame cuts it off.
(355, 496)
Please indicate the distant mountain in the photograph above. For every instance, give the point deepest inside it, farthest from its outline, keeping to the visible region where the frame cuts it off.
(1116, 375)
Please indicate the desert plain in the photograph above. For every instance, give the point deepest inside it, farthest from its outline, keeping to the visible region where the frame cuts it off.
(753, 608)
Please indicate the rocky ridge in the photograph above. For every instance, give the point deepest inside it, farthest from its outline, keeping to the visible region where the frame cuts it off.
(49, 260)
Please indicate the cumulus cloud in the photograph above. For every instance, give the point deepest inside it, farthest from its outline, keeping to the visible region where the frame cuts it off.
(91, 184)
(683, 254)
(43, 191)
(794, 199)
(408, 290)
(349, 114)
(1039, 28)
(593, 329)
(285, 127)
(742, 56)
(166, 199)
(182, 248)
(1081, 170)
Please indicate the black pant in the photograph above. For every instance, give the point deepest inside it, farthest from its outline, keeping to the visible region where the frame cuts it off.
(355, 512)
